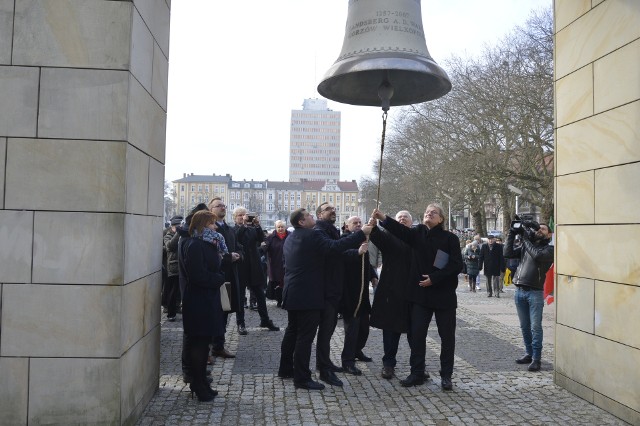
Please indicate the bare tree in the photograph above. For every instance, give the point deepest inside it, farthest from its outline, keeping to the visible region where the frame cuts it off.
(493, 129)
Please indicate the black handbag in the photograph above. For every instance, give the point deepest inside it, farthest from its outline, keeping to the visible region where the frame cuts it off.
(271, 290)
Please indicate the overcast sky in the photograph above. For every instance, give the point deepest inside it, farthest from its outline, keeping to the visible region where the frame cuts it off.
(238, 68)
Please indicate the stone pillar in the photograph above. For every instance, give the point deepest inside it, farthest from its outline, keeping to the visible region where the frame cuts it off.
(597, 73)
(83, 93)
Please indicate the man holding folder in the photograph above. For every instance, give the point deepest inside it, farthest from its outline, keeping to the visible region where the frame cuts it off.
(433, 279)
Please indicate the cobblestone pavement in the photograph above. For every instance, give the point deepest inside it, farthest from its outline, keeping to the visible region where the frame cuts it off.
(489, 388)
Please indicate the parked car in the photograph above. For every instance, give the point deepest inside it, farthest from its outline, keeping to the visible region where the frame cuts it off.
(495, 233)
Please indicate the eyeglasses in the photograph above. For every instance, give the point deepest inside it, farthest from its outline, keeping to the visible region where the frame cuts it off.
(328, 209)
(431, 213)
(218, 206)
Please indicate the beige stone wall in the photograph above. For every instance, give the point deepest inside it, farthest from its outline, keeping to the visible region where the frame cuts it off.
(83, 96)
(597, 73)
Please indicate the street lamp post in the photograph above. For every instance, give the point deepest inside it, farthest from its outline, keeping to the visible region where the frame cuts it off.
(516, 191)
(449, 198)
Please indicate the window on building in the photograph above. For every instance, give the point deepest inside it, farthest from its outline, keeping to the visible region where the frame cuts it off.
(331, 198)
(182, 188)
(193, 187)
(337, 198)
(270, 197)
(324, 198)
(182, 199)
(199, 187)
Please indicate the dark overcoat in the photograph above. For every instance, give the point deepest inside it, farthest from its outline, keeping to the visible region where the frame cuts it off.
(202, 313)
(275, 262)
(492, 259)
(390, 309)
(472, 259)
(333, 269)
(229, 267)
(251, 272)
(426, 243)
(304, 259)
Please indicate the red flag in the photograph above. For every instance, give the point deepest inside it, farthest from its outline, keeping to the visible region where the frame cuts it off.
(548, 286)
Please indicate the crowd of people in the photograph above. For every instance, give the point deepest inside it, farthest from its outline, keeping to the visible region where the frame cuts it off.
(318, 274)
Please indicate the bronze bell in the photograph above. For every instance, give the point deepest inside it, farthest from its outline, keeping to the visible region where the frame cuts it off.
(384, 58)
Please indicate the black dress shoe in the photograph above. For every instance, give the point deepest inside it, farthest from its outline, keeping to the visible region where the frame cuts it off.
(309, 385)
(534, 366)
(524, 360)
(242, 330)
(330, 377)
(270, 325)
(352, 369)
(446, 383)
(336, 369)
(412, 380)
(388, 372)
(362, 357)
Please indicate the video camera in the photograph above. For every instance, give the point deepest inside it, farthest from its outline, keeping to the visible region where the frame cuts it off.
(525, 224)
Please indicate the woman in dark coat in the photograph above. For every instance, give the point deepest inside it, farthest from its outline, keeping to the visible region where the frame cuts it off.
(472, 260)
(202, 313)
(273, 246)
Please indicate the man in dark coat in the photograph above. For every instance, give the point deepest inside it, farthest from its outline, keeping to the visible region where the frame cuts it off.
(433, 279)
(303, 296)
(172, 287)
(492, 260)
(355, 305)
(333, 276)
(230, 269)
(390, 310)
(250, 235)
(273, 246)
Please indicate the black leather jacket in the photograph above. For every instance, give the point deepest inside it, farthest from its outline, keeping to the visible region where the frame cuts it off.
(535, 257)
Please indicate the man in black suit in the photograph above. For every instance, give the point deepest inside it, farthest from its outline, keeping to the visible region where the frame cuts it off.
(492, 261)
(303, 295)
(230, 269)
(333, 279)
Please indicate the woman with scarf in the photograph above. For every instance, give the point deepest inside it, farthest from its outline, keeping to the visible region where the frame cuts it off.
(275, 265)
(202, 314)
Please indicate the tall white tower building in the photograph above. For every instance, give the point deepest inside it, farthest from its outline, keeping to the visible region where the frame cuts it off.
(314, 149)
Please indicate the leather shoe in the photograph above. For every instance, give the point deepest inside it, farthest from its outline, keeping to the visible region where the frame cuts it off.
(534, 366)
(524, 360)
(242, 330)
(352, 369)
(330, 377)
(223, 353)
(336, 369)
(412, 380)
(446, 383)
(362, 357)
(309, 385)
(269, 324)
(388, 372)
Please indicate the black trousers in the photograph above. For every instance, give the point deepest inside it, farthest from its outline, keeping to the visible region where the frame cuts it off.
(295, 350)
(419, 326)
(390, 343)
(172, 288)
(356, 333)
(327, 326)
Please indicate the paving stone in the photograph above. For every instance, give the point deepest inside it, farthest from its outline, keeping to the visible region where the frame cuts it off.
(489, 388)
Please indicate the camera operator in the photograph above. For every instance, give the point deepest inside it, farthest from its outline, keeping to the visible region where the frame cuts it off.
(536, 257)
